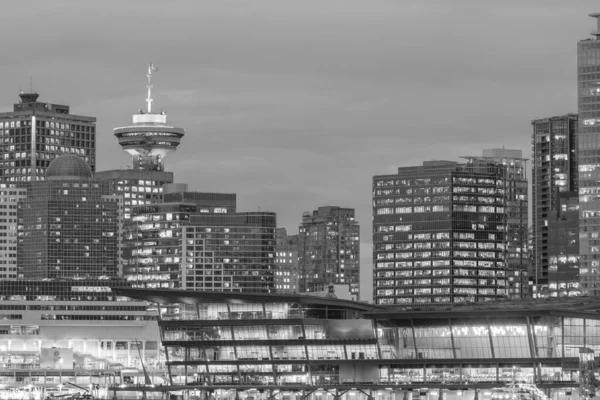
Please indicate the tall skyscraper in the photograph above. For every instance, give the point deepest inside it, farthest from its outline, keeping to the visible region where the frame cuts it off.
(329, 249)
(554, 171)
(440, 233)
(588, 93)
(67, 226)
(34, 133)
(286, 262)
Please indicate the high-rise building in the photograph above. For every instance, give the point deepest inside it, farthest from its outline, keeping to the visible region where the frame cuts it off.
(197, 241)
(554, 170)
(67, 226)
(34, 133)
(230, 252)
(588, 93)
(517, 222)
(440, 233)
(563, 247)
(149, 139)
(10, 195)
(286, 262)
(329, 249)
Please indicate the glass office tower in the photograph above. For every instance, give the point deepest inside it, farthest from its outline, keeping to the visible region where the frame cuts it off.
(440, 233)
(67, 226)
(588, 92)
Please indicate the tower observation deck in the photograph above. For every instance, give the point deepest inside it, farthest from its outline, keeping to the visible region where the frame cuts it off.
(149, 139)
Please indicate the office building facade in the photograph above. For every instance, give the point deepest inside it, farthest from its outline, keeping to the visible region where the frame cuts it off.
(588, 94)
(554, 170)
(35, 133)
(230, 252)
(67, 226)
(563, 247)
(440, 234)
(10, 195)
(329, 249)
(286, 262)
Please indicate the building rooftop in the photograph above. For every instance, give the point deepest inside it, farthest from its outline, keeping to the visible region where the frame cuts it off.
(68, 166)
(582, 306)
(166, 296)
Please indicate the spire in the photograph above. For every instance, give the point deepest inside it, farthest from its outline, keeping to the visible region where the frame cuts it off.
(151, 68)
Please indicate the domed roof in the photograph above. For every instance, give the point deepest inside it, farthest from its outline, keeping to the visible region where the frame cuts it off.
(68, 166)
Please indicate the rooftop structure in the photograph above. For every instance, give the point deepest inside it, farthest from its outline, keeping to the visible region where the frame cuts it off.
(253, 344)
(149, 139)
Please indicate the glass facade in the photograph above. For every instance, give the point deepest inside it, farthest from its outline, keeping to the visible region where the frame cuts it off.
(67, 227)
(588, 92)
(329, 249)
(554, 170)
(304, 344)
(440, 233)
(35, 133)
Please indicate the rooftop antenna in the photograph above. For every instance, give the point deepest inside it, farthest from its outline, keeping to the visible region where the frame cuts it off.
(30, 84)
(151, 68)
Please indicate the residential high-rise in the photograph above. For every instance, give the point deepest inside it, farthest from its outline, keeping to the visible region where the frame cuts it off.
(10, 195)
(440, 233)
(34, 133)
(286, 262)
(563, 247)
(588, 93)
(554, 170)
(329, 249)
(67, 226)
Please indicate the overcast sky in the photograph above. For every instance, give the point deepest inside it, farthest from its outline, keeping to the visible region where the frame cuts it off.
(295, 104)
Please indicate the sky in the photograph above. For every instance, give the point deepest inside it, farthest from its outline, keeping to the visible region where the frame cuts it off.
(296, 104)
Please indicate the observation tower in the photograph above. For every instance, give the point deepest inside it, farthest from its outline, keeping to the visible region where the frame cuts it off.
(149, 139)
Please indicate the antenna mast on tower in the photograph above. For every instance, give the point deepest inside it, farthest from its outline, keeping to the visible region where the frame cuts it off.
(151, 68)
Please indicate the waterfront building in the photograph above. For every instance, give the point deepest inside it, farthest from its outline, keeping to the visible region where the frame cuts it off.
(329, 249)
(10, 195)
(68, 224)
(440, 233)
(35, 132)
(563, 247)
(276, 346)
(588, 93)
(554, 170)
(286, 262)
(77, 330)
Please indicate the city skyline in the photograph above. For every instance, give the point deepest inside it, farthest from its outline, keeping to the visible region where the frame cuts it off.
(297, 105)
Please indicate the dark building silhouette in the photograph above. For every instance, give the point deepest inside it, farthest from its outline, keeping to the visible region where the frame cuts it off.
(563, 247)
(34, 133)
(329, 249)
(554, 171)
(67, 226)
